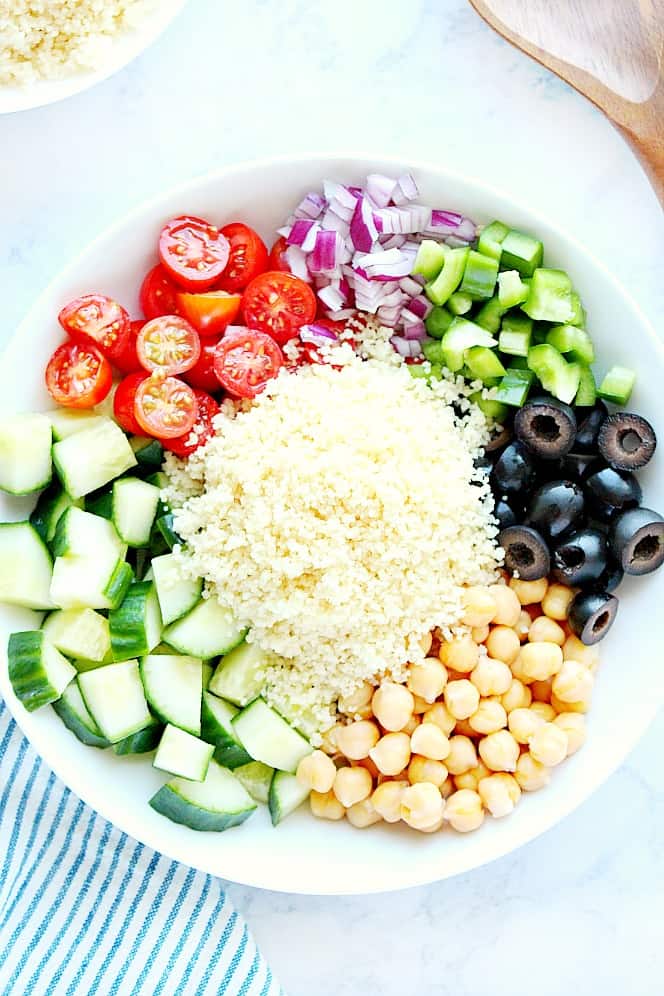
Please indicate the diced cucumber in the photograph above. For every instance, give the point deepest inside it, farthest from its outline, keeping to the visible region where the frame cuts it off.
(66, 421)
(177, 595)
(573, 340)
(521, 252)
(240, 676)
(25, 567)
(82, 534)
(159, 479)
(149, 452)
(479, 276)
(25, 453)
(461, 336)
(550, 297)
(511, 289)
(51, 504)
(430, 258)
(267, 737)
(84, 664)
(94, 582)
(100, 503)
(578, 311)
(92, 457)
(80, 633)
(491, 408)
(449, 278)
(173, 687)
(433, 351)
(164, 526)
(141, 742)
(217, 728)
(617, 385)
(514, 387)
(554, 373)
(256, 778)
(38, 672)
(586, 396)
(207, 631)
(285, 796)
(73, 712)
(136, 624)
(216, 804)
(490, 241)
(208, 671)
(437, 322)
(135, 504)
(182, 754)
(115, 699)
(483, 363)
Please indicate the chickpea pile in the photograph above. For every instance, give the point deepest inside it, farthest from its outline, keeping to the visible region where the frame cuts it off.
(477, 724)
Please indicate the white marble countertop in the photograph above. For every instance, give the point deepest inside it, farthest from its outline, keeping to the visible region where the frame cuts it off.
(580, 909)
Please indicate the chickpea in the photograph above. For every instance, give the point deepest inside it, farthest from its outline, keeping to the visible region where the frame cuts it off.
(530, 774)
(523, 723)
(329, 740)
(529, 592)
(420, 705)
(428, 679)
(426, 642)
(440, 715)
(464, 729)
(545, 630)
(362, 814)
(523, 624)
(422, 805)
(463, 811)
(352, 785)
(317, 772)
(430, 741)
(548, 745)
(517, 669)
(392, 753)
(509, 607)
(499, 793)
(491, 676)
(575, 650)
(460, 654)
(557, 601)
(503, 643)
(461, 698)
(356, 740)
(386, 800)
(471, 779)
(540, 661)
(462, 756)
(423, 769)
(447, 788)
(411, 725)
(392, 705)
(479, 606)
(573, 683)
(517, 696)
(480, 633)
(357, 701)
(559, 706)
(541, 690)
(489, 717)
(544, 711)
(367, 763)
(499, 751)
(574, 726)
(326, 806)
(433, 828)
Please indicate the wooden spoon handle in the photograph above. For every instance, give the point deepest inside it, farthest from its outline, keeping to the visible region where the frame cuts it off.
(643, 127)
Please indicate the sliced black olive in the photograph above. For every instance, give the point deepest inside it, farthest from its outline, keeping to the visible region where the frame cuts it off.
(609, 492)
(501, 438)
(626, 441)
(588, 427)
(526, 553)
(610, 577)
(555, 507)
(504, 513)
(513, 472)
(637, 540)
(575, 466)
(591, 615)
(579, 559)
(547, 427)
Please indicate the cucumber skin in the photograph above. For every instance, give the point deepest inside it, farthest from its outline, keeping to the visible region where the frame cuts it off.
(170, 804)
(228, 752)
(31, 689)
(141, 742)
(127, 619)
(50, 507)
(77, 727)
(231, 756)
(117, 588)
(277, 814)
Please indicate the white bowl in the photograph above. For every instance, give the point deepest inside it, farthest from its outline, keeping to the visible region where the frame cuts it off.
(124, 47)
(303, 854)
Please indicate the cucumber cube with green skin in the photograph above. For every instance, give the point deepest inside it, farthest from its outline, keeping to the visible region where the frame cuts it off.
(617, 385)
(38, 672)
(460, 304)
(136, 624)
(25, 453)
(439, 290)
(286, 795)
(490, 314)
(433, 351)
(164, 527)
(89, 459)
(217, 728)
(479, 276)
(141, 742)
(514, 387)
(51, 505)
(267, 737)
(115, 699)
(573, 340)
(83, 534)
(491, 239)
(67, 421)
(181, 753)
(511, 289)
(437, 322)
(461, 336)
(149, 452)
(484, 364)
(173, 687)
(216, 804)
(79, 633)
(586, 396)
(73, 712)
(550, 297)
(521, 252)
(256, 778)
(554, 373)
(491, 408)
(100, 503)
(430, 258)
(240, 675)
(25, 567)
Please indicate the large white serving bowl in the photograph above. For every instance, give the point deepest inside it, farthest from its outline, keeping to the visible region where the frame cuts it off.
(124, 47)
(306, 855)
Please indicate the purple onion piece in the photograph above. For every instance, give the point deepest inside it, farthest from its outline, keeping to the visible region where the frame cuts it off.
(363, 230)
(380, 188)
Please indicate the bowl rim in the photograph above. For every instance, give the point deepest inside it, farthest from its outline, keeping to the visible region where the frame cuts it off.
(577, 795)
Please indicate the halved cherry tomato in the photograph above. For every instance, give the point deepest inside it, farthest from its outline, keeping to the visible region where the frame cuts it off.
(202, 375)
(193, 251)
(123, 402)
(211, 312)
(279, 304)
(165, 407)
(245, 361)
(127, 359)
(158, 294)
(277, 260)
(247, 259)
(98, 319)
(184, 446)
(168, 345)
(78, 375)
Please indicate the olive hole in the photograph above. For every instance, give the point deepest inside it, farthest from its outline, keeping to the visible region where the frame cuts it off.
(572, 556)
(600, 622)
(522, 555)
(646, 549)
(545, 427)
(629, 441)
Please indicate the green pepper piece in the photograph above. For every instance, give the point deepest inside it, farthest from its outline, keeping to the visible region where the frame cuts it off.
(491, 408)
(479, 276)
(550, 296)
(461, 336)
(433, 351)
(459, 303)
(586, 396)
(430, 258)
(617, 385)
(514, 387)
(483, 363)
(553, 371)
(514, 340)
(490, 314)
(511, 289)
(437, 322)
(578, 311)
(573, 340)
(449, 278)
(490, 240)
(521, 252)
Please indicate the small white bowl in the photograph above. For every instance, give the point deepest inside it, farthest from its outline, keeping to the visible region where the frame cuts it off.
(124, 48)
(305, 855)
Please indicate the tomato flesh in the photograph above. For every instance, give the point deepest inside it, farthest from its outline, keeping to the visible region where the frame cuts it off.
(193, 251)
(209, 313)
(277, 259)
(78, 375)
(248, 256)
(245, 361)
(165, 407)
(168, 345)
(278, 304)
(202, 375)
(127, 359)
(158, 294)
(183, 446)
(123, 402)
(98, 319)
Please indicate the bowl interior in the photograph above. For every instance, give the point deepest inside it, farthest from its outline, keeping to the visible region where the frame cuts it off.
(305, 855)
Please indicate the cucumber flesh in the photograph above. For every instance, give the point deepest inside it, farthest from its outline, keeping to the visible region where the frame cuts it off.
(483, 363)
(67, 421)
(141, 742)
(164, 528)
(80, 633)
(82, 534)
(88, 459)
(438, 321)
(215, 804)
(115, 699)
(479, 276)
(51, 504)
(256, 778)
(460, 336)
(177, 595)
(555, 374)
(586, 396)
(514, 387)
(521, 252)
(217, 728)
(25, 567)
(240, 676)
(38, 672)
(73, 712)
(149, 452)
(550, 297)
(173, 687)
(430, 258)
(94, 582)
(267, 737)
(491, 239)
(449, 278)
(25, 454)
(617, 385)
(134, 507)
(135, 624)
(206, 631)
(572, 340)
(182, 754)
(511, 289)
(285, 796)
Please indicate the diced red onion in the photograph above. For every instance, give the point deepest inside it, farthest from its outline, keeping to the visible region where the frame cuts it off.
(406, 347)
(410, 286)
(391, 317)
(420, 306)
(405, 190)
(326, 253)
(403, 220)
(285, 231)
(444, 223)
(395, 299)
(415, 329)
(331, 297)
(312, 206)
(380, 189)
(331, 222)
(363, 230)
(303, 234)
(297, 263)
(343, 315)
(392, 241)
(315, 333)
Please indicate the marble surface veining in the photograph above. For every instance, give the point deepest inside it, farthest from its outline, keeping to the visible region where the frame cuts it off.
(581, 909)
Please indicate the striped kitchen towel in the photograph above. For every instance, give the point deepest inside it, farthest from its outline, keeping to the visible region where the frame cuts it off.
(84, 909)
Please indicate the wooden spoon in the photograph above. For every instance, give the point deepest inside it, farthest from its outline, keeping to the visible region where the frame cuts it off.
(608, 50)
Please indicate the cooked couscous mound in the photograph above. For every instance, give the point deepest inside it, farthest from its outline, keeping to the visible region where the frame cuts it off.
(339, 518)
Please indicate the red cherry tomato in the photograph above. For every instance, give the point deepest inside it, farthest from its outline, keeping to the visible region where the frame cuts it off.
(248, 257)
(165, 407)
(78, 375)
(210, 313)
(203, 429)
(278, 304)
(277, 259)
(97, 319)
(168, 345)
(158, 294)
(123, 402)
(127, 359)
(202, 375)
(193, 251)
(245, 361)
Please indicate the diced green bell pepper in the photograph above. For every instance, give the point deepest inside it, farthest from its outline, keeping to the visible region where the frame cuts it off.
(433, 351)
(550, 297)
(514, 387)
(617, 385)
(479, 276)
(438, 321)
(515, 335)
(461, 336)
(490, 315)
(578, 311)
(586, 396)
(511, 289)
(521, 252)
(573, 340)
(449, 278)
(491, 408)
(553, 371)
(425, 371)
(483, 363)
(490, 240)
(459, 303)
(430, 258)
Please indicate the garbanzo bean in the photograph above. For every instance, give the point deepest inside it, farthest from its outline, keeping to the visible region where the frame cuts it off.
(530, 774)
(557, 601)
(386, 800)
(539, 661)
(499, 751)
(352, 785)
(362, 814)
(356, 740)
(548, 745)
(499, 793)
(463, 811)
(326, 806)
(479, 606)
(503, 643)
(392, 753)
(573, 683)
(508, 605)
(517, 696)
(392, 705)
(574, 726)
(471, 779)
(460, 654)
(491, 676)
(428, 679)
(488, 717)
(461, 698)
(317, 771)
(440, 715)
(462, 756)
(430, 741)
(529, 592)
(422, 805)
(545, 630)
(423, 769)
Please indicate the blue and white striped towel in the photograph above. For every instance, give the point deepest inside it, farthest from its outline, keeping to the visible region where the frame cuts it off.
(84, 909)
